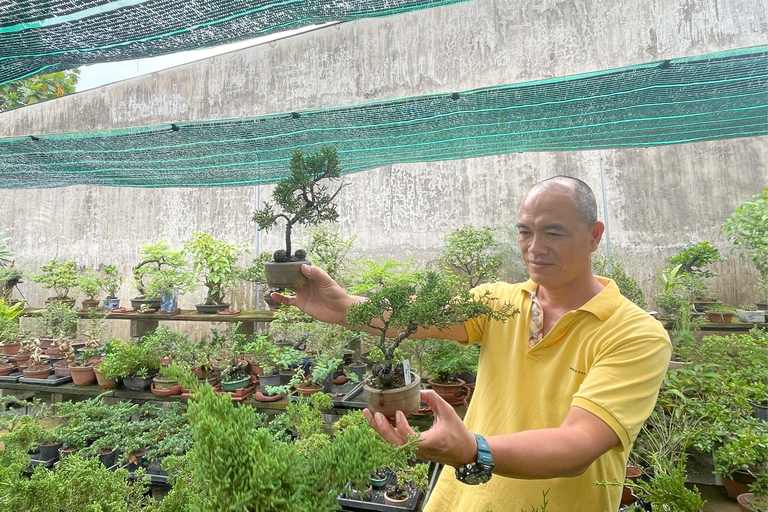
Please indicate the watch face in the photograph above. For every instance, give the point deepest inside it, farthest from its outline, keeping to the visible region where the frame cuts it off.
(474, 474)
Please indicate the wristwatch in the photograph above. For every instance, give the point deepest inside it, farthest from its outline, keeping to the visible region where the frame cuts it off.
(482, 470)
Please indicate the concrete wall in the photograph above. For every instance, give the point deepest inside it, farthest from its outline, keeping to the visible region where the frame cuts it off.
(660, 199)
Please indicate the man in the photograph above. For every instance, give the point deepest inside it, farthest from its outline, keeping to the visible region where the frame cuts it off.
(562, 388)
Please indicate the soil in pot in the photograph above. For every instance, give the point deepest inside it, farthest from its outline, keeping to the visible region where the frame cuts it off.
(396, 501)
(285, 275)
(38, 372)
(388, 401)
(745, 502)
(82, 375)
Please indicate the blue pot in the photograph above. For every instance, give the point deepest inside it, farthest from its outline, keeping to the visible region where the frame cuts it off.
(111, 303)
(169, 300)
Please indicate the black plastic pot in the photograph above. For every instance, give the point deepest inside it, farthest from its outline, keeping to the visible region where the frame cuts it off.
(207, 309)
(137, 383)
(138, 302)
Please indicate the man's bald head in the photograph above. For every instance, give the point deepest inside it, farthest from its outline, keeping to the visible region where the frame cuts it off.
(583, 196)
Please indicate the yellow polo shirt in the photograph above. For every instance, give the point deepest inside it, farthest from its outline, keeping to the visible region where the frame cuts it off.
(608, 357)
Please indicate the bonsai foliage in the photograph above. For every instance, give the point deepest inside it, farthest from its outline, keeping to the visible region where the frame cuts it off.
(695, 258)
(58, 320)
(746, 450)
(215, 263)
(9, 278)
(302, 197)
(473, 254)
(627, 284)
(59, 277)
(9, 324)
(161, 269)
(747, 228)
(90, 283)
(398, 307)
(140, 358)
(111, 281)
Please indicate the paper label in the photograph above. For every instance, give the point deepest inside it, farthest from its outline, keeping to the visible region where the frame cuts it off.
(407, 371)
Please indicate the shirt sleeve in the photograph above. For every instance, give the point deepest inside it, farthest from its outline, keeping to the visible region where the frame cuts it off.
(622, 386)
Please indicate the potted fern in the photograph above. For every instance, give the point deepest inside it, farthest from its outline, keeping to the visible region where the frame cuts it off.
(303, 198)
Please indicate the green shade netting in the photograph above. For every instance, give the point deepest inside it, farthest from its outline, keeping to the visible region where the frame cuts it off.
(710, 97)
(46, 36)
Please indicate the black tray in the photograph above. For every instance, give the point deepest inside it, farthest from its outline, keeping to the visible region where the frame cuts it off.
(44, 463)
(355, 399)
(14, 377)
(52, 380)
(377, 501)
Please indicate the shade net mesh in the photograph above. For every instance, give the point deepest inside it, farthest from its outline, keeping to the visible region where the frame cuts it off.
(53, 35)
(705, 98)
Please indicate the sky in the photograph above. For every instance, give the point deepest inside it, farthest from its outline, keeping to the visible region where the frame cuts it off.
(97, 75)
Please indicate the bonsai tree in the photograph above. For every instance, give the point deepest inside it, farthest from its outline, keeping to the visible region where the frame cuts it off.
(111, 281)
(233, 347)
(161, 269)
(747, 228)
(61, 277)
(214, 262)
(446, 360)
(473, 254)
(140, 358)
(58, 320)
(694, 260)
(302, 198)
(398, 307)
(90, 283)
(10, 276)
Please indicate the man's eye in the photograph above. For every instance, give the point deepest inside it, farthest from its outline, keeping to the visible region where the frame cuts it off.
(553, 234)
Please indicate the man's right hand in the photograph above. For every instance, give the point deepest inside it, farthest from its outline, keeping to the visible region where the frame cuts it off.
(322, 299)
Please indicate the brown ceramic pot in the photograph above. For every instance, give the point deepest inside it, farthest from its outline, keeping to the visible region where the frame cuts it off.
(306, 390)
(38, 372)
(104, 381)
(285, 275)
(82, 375)
(10, 349)
(633, 473)
(454, 393)
(388, 401)
(737, 483)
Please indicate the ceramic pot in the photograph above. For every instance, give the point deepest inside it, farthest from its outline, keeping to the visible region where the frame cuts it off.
(759, 410)
(104, 381)
(234, 385)
(453, 393)
(11, 349)
(5, 369)
(720, 318)
(61, 369)
(110, 303)
(744, 500)
(395, 502)
(163, 384)
(268, 380)
(377, 482)
(169, 300)
(90, 303)
(137, 383)
(306, 390)
(210, 309)
(49, 451)
(359, 370)
(285, 275)
(38, 372)
(633, 473)
(388, 401)
(82, 375)
(138, 302)
(737, 483)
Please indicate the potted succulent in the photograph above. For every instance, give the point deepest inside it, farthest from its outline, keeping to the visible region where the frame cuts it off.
(303, 199)
(90, 284)
(161, 274)
(61, 277)
(757, 499)
(403, 304)
(215, 263)
(720, 313)
(9, 327)
(110, 283)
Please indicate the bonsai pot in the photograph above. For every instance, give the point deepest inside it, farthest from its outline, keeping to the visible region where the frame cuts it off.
(66, 300)
(453, 393)
(61, 369)
(90, 303)
(270, 302)
(233, 385)
(377, 481)
(163, 384)
(137, 383)
(82, 375)
(396, 502)
(720, 318)
(269, 380)
(110, 303)
(286, 376)
(52, 351)
(38, 372)
(138, 302)
(388, 401)
(169, 300)
(285, 275)
(5, 369)
(48, 451)
(745, 500)
(104, 381)
(11, 349)
(633, 473)
(211, 309)
(175, 389)
(751, 317)
(760, 410)
(308, 389)
(737, 483)
(108, 458)
(359, 370)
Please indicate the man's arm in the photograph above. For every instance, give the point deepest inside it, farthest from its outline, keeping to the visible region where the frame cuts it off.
(566, 451)
(324, 300)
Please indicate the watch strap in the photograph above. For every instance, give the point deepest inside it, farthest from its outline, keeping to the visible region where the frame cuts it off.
(483, 450)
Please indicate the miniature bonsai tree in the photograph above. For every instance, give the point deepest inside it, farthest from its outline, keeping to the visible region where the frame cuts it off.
(694, 260)
(398, 307)
(215, 263)
(302, 198)
(58, 320)
(446, 360)
(61, 277)
(747, 228)
(161, 269)
(90, 283)
(10, 276)
(111, 281)
(473, 254)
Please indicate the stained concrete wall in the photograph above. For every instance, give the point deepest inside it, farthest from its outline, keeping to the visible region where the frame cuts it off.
(660, 199)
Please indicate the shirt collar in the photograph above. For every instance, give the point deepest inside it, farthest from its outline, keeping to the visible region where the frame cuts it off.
(601, 305)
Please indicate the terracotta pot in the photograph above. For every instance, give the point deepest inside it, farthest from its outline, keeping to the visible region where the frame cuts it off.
(90, 303)
(20, 358)
(82, 375)
(388, 401)
(633, 473)
(285, 275)
(38, 372)
(11, 348)
(104, 381)
(737, 483)
(5, 369)
(453, 393)
(744, 501)
(306, 390)
(173, 390)
(61, 369)
(396, 502)
(720, 318)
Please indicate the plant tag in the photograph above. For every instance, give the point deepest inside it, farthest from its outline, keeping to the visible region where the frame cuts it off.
(407, 371)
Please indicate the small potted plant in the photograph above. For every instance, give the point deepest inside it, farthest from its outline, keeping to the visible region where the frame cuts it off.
(36, 368)
(445, 361)
(215, 263)
(110, 284)
(757, 499)
(473, 254)
(234, 373)
(303, 199)
(409, 481)
(90, 284)
(10, 277)
(61, 277)
(694, 260)
(161, 274)
(136, 362)
(740, 458)
(403, 304)
(58, 320)
(720, 313)
(9, 327)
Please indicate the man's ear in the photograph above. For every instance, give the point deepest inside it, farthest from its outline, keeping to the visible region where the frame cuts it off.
(598, 228)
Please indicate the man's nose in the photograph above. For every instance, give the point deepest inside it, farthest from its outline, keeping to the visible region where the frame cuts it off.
(537, 245)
